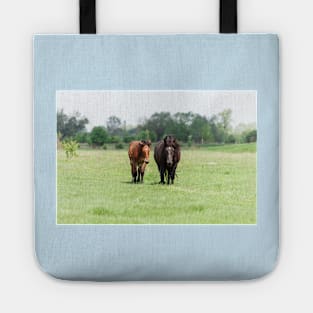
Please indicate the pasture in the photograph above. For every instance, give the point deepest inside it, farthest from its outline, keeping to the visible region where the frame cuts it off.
(215, 185)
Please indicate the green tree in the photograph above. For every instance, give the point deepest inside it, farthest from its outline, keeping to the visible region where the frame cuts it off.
(216, 131)
(250, 136)
(181, 125)
(146, 135)
(114, 125)
(159, 124)
(189, 141)
(128, 138)
(98, 136)
(224, 125)
(82, 137)
(225, 119)
(69, 126)
(245, 133)
(230, 139)
(114, 139)
(200, 129)
(220, 126)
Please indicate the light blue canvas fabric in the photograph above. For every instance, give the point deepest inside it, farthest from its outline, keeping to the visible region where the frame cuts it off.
(157, 62)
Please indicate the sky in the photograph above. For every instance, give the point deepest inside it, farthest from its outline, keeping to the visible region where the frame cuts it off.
(134, 106)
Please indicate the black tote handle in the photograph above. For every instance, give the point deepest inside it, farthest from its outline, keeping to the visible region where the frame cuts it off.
(228, 16)
(87, 16)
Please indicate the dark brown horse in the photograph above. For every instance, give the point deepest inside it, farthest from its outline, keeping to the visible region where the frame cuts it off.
(138, 153)
(167, 156)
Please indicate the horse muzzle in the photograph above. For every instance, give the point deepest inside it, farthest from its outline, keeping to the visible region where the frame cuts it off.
(147, 161)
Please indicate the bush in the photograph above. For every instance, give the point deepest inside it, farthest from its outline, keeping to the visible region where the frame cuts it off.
(231, 139)
(251, 136)
(98, 136)
(114, 139)
(82, 137)
(146, 135)
(104, 147)
(70, 147)
(129, 138)
(119, 146)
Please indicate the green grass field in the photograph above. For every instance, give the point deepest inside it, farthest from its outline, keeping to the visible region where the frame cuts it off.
(215, 185)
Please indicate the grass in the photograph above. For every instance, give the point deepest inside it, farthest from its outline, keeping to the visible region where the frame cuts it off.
(215, 185)
(239, 148)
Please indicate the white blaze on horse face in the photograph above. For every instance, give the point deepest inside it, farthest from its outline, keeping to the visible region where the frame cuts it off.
(169, 155)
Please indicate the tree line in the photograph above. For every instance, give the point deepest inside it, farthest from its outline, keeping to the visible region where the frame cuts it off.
(189, 128)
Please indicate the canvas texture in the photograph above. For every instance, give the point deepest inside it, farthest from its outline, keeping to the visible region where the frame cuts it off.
(156, 157)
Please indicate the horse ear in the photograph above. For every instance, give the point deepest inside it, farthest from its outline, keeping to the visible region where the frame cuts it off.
(141, 143)
(148, 143)
(165, 138)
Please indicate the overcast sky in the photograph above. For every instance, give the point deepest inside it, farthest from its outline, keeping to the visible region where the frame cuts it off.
(134, 106)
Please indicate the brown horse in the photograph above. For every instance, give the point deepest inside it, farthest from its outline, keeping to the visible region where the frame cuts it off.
(167, 156)
(138, 153)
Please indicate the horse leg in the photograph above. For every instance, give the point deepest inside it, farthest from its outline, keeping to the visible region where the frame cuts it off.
(134, 172)
(142, 175)
(142, 171)
(162, 176)
(168, 177)
(138, 175)
(173, 174)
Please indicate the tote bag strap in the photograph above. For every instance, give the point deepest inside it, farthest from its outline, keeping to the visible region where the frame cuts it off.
(228, 16)
(87, 16)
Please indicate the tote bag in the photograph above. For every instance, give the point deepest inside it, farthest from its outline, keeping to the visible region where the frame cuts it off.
(156, 157)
